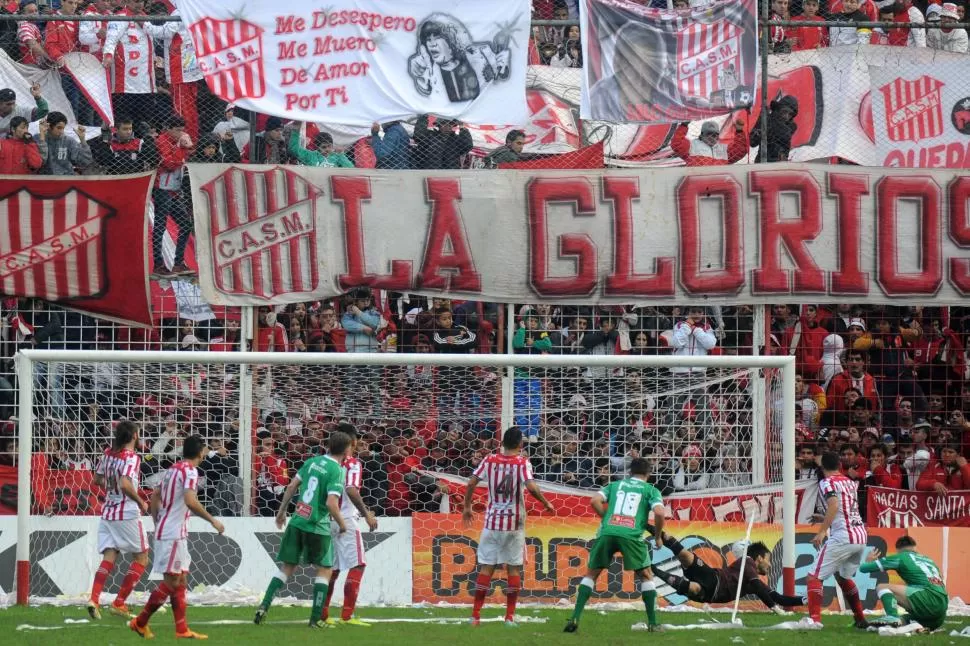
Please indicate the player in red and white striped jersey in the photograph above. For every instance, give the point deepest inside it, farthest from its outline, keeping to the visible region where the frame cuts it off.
(121, 530)
(348, 547)
(508, 475)
(172, 503)
(845, 545)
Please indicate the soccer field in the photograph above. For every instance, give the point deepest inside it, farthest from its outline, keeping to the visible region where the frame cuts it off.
(287, 627)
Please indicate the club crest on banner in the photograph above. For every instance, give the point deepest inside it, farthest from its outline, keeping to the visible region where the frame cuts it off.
(54, 246)
(914, 109)
(230, 55)
(264, 237)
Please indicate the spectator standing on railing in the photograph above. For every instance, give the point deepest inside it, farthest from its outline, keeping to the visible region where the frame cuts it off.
(707, 150)
(64, 155)
(29, 37)
(270, 146)
(781, 128)
(441, 148)
(174, 148)
(509, 153)
(901, 11)
(809, 37)
(122, 153)
(129, 55)
(19, 154)
(182, 71)
(393, 151)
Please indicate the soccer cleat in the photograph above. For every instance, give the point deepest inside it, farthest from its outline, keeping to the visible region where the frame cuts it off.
(120, 611)
(190, 634)
(510, 623)
(143, 631)
(807, 623)
(888, 620)
(474, 621)
(330, 621)
(353, 621)
(655, 628)
(571, 626)
(260, 615)
(94, 611)
(861, 624)
(320, 623)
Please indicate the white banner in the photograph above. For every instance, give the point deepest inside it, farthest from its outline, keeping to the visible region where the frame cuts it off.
(360, 61)
(752, 234)
(232, 568)
(921, 113)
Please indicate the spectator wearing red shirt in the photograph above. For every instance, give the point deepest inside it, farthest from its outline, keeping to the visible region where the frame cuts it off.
(174, 147)
(271, 476)
(951, 472)
(29, 38)
(807, 390)
(271, 335)
(808, 37)
(325, 333)
(855, 377)
(707, 150)
(809, 337)
(882, 472)
(900, 11)
(400, 463)
(19, 154)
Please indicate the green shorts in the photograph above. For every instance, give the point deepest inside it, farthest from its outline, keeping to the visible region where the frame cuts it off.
(634, 551)
(299, 547)
(927, 606)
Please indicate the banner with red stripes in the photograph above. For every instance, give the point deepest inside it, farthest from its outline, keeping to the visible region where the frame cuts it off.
(80, 242)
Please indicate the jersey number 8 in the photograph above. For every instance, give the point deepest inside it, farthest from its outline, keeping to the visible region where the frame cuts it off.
(311, 489)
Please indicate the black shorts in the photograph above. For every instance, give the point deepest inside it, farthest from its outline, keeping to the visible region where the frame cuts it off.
(706, 577)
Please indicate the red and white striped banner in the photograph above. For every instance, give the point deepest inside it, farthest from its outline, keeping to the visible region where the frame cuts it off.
(79, 242)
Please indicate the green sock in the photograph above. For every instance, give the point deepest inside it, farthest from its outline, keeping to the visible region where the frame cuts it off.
(650, 602)
(583, 593)
(319, 598)
(274, 586)
(889, 604)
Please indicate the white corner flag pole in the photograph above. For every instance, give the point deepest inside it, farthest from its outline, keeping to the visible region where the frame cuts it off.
(744, 557)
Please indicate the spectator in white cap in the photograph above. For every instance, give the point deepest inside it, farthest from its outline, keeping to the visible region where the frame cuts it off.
(933, 36)
(858, 337)
(707, 150)
(950, 39)
(231, 123)
(901, 11)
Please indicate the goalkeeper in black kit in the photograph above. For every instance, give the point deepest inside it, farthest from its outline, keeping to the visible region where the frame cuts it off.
(704, 584)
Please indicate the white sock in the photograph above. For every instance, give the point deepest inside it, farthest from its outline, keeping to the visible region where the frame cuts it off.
(279, 575)
(321, 580)
(588, 582)
(647, 585)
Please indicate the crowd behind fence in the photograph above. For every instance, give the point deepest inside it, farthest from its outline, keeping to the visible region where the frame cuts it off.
(879, 385)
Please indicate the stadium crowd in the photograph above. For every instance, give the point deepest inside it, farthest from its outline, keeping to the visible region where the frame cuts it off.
(886, 388)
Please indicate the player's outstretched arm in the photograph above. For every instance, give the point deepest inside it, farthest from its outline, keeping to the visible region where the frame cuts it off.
(536, 493)
(876, 562)
(354, 494)
(197, 508)
(466, 512)
(333, 506)
(288, 494)
(779, 600)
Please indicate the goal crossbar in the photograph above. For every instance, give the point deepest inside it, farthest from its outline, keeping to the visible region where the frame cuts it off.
(26, 359)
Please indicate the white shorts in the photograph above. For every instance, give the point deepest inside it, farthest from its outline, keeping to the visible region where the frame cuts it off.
(171, 556)
(126, 536)
(841, 558)
(348, 548)
(501, 548)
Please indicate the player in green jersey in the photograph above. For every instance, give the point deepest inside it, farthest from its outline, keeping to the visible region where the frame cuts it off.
(923, 593)
(624, 507)
(307, 538)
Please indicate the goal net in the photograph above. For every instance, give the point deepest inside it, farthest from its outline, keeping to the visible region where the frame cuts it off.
(713, 428)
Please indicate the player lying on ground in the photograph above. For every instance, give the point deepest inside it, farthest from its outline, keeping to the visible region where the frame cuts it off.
(624, 507)
(120, 530)
(172, 503)
(705, 584)
(923, 595)
(307, 538)
(503, 538)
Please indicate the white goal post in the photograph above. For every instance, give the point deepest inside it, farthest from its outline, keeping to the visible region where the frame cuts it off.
(28, 360)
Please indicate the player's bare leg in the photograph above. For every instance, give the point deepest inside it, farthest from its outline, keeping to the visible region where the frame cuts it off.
(851, 594)
(583, 592)
(482, 585)
(351, 590)
(512, 593)
(891, 595)
(325, 615)
(320, 586)
(134, 574)
(278, 581)
(648, 592)
(108, 558)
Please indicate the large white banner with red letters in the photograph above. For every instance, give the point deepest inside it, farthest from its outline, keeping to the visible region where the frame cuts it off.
(360, 61)
(754, 234)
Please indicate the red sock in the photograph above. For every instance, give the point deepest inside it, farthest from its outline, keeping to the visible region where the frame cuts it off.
(815, 598)
(351, 590)
(326, 604)
(134, 574)
(512, 596)
(482, 584)
(100, 578)
(155, 601)
(851, 594)
(178, 610)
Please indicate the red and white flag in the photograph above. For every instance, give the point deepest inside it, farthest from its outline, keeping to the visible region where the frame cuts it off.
(914, 109)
